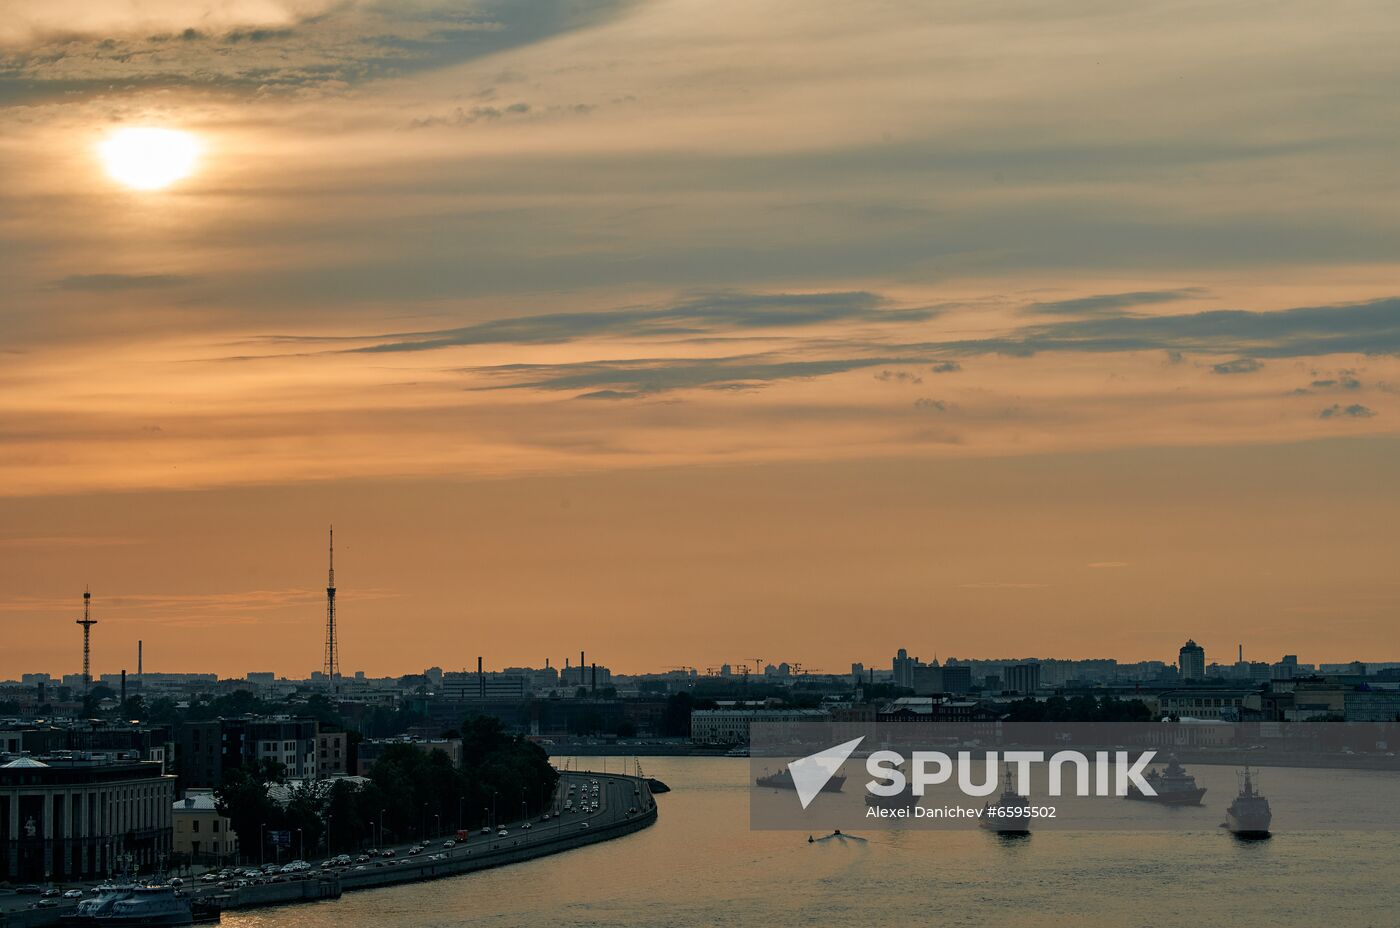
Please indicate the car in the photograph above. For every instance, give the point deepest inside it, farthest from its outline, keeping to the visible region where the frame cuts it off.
(583, 824)
(46, 903)
(176, 881)
(545, 817)
(30, 890)
(527, 825)
(390, 852)
(362, 859)
(51, 893)
(73, 894)
(486, 829)
(449, 843)
(502, 833)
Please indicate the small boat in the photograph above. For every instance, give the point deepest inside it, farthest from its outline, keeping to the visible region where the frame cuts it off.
(1249, 816)
(1173, 786)
(1010, 814)
(835, 836)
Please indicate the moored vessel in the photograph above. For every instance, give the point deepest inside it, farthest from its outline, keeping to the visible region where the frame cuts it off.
(1249, 816)
(1010, 814)
(783, 780)
(1173, 786)
(134, 905)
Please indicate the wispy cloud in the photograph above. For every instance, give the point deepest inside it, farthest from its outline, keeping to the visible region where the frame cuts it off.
(1353, 411)
(1237, 366)
(1112, 303)
(107, 283)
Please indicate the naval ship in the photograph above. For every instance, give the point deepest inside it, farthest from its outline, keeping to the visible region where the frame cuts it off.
(1174, 786)
(904, 799)
(783, 780)
(1249, 816)
(1010, 814)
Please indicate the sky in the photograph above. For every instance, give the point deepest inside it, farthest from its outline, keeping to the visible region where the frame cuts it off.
(676, 330)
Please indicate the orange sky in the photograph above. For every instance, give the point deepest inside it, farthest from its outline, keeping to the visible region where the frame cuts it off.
(680, 330)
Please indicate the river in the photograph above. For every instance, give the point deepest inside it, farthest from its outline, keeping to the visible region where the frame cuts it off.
(701, 865)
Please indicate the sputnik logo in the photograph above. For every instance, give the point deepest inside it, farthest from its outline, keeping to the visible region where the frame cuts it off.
(811, 773)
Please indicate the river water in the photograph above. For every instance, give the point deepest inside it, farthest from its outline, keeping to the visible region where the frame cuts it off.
(701, 865)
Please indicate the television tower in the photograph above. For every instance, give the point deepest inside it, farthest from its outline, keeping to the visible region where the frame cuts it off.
(332, 664)
(87, 622)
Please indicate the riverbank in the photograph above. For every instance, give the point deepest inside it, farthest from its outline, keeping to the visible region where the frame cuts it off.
(618, 794)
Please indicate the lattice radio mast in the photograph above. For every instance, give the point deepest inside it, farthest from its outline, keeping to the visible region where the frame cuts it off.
(332, 663)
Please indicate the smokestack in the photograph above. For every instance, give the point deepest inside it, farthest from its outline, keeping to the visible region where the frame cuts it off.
(595, 677)
(140, 647)
(123, 686)
(480, 677)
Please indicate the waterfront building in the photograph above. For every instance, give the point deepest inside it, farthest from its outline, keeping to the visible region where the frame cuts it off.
(78, 816)
(201, 835)
(731, 726)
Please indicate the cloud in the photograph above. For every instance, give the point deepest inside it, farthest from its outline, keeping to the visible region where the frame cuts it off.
(1112, 303)
(66, 48)
(1354, 411)
(946, 367)
(105, 283)
(1342, 383)
(898, 377)
(466, 116)
(925, 402)
(625, 379)
(724, 312)
(1352, 328)
(1237, 366)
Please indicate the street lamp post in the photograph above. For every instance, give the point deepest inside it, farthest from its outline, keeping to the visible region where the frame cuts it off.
(262, 844)
(301, 845)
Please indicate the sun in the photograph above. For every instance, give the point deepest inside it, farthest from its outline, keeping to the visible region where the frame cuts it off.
(149, 159)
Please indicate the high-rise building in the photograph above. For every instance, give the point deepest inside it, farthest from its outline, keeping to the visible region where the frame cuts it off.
(1023, 678)
(1192, 663)
(903, 666)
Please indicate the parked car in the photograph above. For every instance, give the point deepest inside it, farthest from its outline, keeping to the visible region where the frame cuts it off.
(73, 894)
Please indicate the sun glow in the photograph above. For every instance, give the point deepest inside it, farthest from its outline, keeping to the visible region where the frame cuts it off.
(149, 159)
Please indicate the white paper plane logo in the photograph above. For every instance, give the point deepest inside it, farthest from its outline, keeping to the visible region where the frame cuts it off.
(810, 774)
